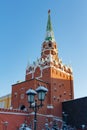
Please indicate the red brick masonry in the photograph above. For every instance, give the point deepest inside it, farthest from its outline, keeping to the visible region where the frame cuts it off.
(11, 119)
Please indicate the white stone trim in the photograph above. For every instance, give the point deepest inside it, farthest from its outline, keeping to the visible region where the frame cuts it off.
(13, 113)
(50, 106)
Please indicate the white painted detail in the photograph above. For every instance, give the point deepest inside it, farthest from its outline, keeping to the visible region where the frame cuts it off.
(15, 113)
(43, 63)
(50, 106)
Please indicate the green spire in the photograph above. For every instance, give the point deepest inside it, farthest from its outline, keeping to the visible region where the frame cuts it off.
(49, 30)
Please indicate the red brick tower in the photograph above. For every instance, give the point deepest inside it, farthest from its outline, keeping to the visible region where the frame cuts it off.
(50, 72)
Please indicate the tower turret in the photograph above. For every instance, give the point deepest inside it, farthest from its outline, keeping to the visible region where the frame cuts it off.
(49, 57)
(49, 46)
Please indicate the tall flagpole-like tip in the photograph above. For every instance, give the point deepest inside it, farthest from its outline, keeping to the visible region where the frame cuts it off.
(49, 11)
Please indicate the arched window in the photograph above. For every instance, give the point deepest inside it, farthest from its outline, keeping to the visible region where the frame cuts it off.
(22, 107)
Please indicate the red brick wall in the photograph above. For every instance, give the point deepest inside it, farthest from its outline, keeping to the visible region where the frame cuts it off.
(20, 89)
(59, 84)
(14, 118)
(60, 89)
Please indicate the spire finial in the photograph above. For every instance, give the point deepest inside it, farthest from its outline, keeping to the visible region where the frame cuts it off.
(49, 11)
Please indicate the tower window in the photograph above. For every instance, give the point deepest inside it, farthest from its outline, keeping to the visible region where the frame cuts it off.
(22, 107)
(64, 92)
(15, 94)
(55, 89)
(50, 45)
(60, 96)
(70, 94)
(58, 99)
(54, 83)
(54, 98)
(59, 85)
(22, 96)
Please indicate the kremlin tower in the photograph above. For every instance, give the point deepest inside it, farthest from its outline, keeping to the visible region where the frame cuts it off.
(48, 71)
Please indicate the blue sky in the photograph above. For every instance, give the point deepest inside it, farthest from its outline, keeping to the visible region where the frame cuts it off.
(23, 29)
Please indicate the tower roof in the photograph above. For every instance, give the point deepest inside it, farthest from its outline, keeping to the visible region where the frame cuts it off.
(49, 30)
